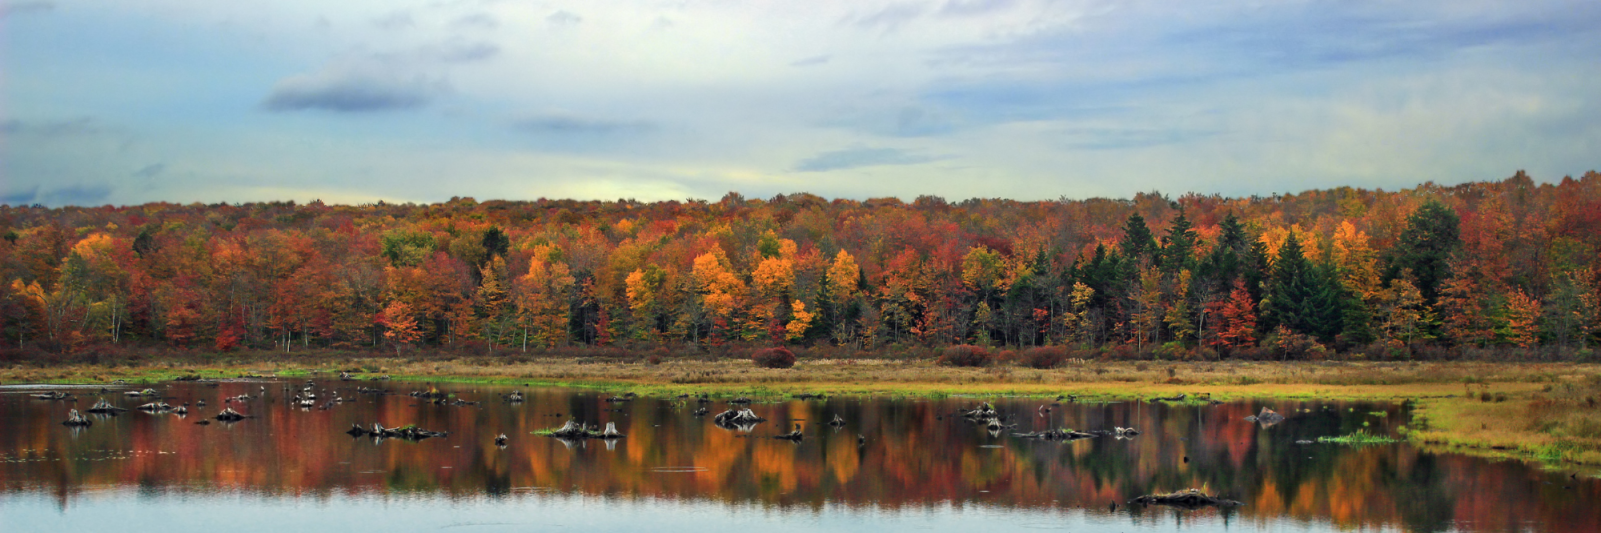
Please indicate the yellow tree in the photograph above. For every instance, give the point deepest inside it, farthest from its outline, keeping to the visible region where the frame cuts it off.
(545, 298)
(1075, 318)
(1178, 312)
(719, 289)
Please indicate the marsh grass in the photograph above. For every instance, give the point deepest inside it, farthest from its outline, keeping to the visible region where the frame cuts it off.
(1360, 438)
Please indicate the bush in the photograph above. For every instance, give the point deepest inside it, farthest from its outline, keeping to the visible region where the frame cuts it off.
(965, 355)
(774, 358)
(1045, 356)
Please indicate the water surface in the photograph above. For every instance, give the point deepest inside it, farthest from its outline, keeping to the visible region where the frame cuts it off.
(918, 467)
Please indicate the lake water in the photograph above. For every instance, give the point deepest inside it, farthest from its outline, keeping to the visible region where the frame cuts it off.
(919, 467)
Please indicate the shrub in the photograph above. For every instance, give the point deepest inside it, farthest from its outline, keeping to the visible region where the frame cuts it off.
(774, 358)
(965, 355)
(1045, 356)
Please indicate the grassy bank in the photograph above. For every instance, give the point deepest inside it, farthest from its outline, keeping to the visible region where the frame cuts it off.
(1534, 411)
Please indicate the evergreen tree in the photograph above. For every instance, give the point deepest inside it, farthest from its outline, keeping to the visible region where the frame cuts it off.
(1298, 296)
(1178, 251)
(1431, 237)
(1138, 244)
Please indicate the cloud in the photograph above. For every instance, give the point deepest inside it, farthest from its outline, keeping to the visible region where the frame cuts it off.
(465, 52)
(50, 128)
(570, 124)
(971, 8)
(1129, 138)
(150, 171)
(350, 89)
(20, 197)
(26, 7)
(477, 20)
(395, 20)
(890, 18)
(860, 157)
(564, 18)
(811, 61)
(82, 195)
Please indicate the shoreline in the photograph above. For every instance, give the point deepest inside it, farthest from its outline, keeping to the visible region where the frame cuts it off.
(1535, 412)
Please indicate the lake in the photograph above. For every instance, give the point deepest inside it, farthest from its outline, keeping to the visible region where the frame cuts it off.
(896, 464)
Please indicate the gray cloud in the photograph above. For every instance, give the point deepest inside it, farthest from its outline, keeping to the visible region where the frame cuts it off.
(150, 171)
(50, 128)
(890, 18)
(811, 61)
(83, 195)
(564, 18)
(570, 124)
(860, 157)
(1129, 138)
(20, 197)
(477, 20)
(350, 89)
(970, 8)
(26, 7)
(396, 20)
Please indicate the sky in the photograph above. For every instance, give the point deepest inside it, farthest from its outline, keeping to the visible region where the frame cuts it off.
(133, 101)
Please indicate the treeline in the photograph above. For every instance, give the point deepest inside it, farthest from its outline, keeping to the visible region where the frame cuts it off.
(1349, 271)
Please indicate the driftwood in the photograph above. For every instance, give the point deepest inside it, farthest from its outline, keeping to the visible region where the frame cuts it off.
(740, 401)
(702, 411)
(1056, 434)
(229, 415)
(1123, 432)
(182, 410)
(624, 398)
(808, 396)
(516, 396)
(1178, 398)
(1188, 499)
(837, 421)
(76, 420)
(104, 407)
(52, 395)
(429, 394)
(155, 407)
(501, 440)
(412, 433)
(146, 392)
(984, 410)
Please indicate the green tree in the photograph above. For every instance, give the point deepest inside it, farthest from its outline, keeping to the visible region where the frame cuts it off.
(1432, 236)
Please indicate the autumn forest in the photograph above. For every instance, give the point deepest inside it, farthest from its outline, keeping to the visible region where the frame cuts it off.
(1481, 270)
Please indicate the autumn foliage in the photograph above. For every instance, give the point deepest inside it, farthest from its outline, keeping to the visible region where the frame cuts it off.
(1510, 266)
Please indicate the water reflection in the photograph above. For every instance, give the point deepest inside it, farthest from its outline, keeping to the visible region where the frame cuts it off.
(888, 457)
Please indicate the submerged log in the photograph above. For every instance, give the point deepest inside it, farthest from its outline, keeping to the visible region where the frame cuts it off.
(229, 415)
(155, 407)
(1123, 432)
(52, 395)
(516, 396)
(146, 392)
(76, 420)
(809, 396)
(501, 440)
(1178, 398)
(1188, 499)
(837, 421)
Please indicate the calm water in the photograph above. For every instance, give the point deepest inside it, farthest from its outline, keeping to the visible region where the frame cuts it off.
(920, 468)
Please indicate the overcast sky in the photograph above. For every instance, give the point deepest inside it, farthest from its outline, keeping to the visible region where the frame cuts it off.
(351, 101)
